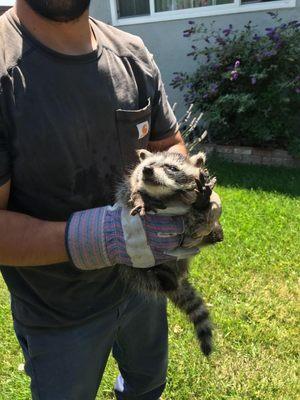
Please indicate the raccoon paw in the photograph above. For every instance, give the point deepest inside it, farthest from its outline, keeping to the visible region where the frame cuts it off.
(212, 183)
(191, 242)
(189, 197)
(138, 210)
(138, 204)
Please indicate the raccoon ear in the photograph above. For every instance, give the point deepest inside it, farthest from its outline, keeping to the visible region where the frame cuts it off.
(198, 160)
(143, 154)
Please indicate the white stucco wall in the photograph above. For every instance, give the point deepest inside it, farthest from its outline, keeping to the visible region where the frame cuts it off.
(165, 40)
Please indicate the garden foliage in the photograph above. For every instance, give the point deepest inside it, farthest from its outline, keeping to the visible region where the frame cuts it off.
(246, 82)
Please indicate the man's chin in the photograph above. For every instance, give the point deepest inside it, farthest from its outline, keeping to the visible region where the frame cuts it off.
(55, 11)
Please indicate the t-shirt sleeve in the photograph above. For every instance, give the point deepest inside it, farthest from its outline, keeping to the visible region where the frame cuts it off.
(4, 155)
(163, 120)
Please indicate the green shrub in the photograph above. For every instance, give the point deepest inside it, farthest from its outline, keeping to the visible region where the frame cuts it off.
(246, 83)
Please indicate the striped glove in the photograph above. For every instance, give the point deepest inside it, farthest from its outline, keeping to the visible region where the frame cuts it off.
(108, 236)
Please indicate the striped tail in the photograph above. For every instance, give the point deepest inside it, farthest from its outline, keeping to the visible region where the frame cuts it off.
(188, 300)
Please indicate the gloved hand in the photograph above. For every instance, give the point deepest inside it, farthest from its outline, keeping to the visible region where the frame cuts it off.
(108, 236)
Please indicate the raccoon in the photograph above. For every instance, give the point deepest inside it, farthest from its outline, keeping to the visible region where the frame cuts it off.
(169, 183)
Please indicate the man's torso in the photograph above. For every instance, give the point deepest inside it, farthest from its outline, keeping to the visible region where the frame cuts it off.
(71, 126)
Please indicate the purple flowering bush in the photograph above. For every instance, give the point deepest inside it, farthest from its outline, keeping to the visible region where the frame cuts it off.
(246, 82)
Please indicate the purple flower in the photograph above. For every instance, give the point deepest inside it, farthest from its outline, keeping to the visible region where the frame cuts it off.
(188, 32)
(214, 67)
(297, 90)
(269, 53)
(237, 64)
(256, 37)
(177, 79)
(279, 44)
(227, 32)
(205, 96)
(253, 80)
(213, 88)
(220, 41)
(234, 75)
(273, 34)
(271, 30)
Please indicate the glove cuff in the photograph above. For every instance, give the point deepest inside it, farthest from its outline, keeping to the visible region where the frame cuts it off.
(85, 240)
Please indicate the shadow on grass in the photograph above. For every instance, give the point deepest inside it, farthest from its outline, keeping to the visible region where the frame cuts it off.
(271, 179)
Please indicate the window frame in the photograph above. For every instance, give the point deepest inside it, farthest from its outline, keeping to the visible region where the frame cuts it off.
(189, 13)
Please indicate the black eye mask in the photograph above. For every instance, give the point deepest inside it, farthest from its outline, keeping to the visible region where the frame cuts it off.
(59, 10)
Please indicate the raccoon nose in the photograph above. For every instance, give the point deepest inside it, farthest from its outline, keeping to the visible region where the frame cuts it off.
(148, 171)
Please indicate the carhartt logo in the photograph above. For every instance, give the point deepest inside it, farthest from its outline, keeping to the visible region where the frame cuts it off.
(143, 129)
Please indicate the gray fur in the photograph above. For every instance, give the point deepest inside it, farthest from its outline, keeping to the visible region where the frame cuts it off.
(170, 183)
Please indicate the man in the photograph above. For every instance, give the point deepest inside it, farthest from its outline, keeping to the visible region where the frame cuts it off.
(77, 98)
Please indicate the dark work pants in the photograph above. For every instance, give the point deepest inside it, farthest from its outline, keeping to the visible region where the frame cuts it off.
(68, 364)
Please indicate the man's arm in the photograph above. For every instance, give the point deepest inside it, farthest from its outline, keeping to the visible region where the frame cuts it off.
(174, 143)
(27, 241)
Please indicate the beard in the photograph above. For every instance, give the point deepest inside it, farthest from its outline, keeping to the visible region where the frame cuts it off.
(59, 10)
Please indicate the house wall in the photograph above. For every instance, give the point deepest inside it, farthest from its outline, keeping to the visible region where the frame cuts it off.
(159, 37)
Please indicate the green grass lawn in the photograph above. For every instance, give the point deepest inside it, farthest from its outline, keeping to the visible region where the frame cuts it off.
(250, 283)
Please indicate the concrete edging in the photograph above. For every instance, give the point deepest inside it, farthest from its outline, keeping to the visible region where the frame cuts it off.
(253, 155)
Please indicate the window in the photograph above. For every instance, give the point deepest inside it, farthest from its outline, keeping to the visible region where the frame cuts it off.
(127, 12)
(133, 7)
(170, 5)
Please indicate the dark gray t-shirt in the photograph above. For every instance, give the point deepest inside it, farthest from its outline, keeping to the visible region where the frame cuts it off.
(69, 128)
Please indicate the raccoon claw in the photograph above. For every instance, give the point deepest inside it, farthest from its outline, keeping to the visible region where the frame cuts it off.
(212, 183)
(138, 210)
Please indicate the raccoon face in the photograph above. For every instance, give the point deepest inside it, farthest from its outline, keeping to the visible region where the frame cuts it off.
(164, 174)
